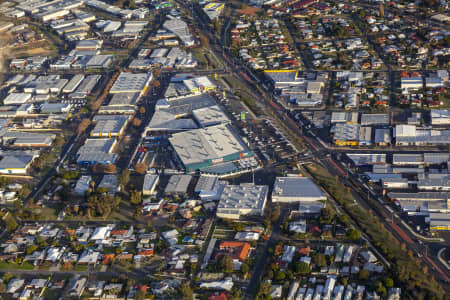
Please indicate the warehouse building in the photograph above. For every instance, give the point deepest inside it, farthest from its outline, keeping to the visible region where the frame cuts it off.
(394, 183)
(382, 137)
(181, 30)
(15, 163)
(345, 134)
(420, 196)
(440, 117)
(204, 147)
(344, 117)
(284, 78)
(210, 116)
(237, 201)
(432, 158)
(209, 187)
(110, 183)
(365, 136)
(150, 183)
(16, 99)
(26, 139)
(375, 119)
(97, 151)
(296, 189)
(73, 83)
(364, 159)
(439, 221)
(131, 83)
(109, 126)
(122, 103)
(404, 159)
(178, 184)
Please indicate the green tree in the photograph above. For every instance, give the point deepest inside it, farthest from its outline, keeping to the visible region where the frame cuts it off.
(388, 282)
(302, 268)
(7, 277)
(353, 234)
(320, 260)
(275, 213)
(136, 197)
(140, 295)
(11, 223)
(245, 268)
(363, 275)
(31, 249)
(226, 263)
(124, 177)
(186, 291)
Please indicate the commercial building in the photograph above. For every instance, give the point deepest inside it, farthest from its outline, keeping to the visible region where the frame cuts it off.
(199, 84)
(207, 146)
(284, 78)
(296, 189)
(131, 83)
(150, 183)
(242, 200)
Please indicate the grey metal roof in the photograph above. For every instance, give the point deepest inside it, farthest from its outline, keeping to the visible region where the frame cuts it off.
(298, 188)
(149, 181)
(15, 162)
(178, 183)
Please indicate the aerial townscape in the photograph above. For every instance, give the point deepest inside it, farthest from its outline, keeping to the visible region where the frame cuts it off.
(224, 149)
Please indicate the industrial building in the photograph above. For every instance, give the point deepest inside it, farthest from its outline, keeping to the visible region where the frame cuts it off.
(407, 159)
(242, 200)
(109, 126)
(207, 146)
(209, 187)
(374, 119)
(344, 117)
(131, 83)
(15, 163)
(382, 137)
(150, 183)
(296, 189)
(345, 134)
(209, 116)
(440, 117)
(363, 159)
(181, 30)
(97, 151)
(178, 184)
(16, 98)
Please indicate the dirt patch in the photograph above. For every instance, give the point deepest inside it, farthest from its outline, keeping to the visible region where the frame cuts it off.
(250, 10)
